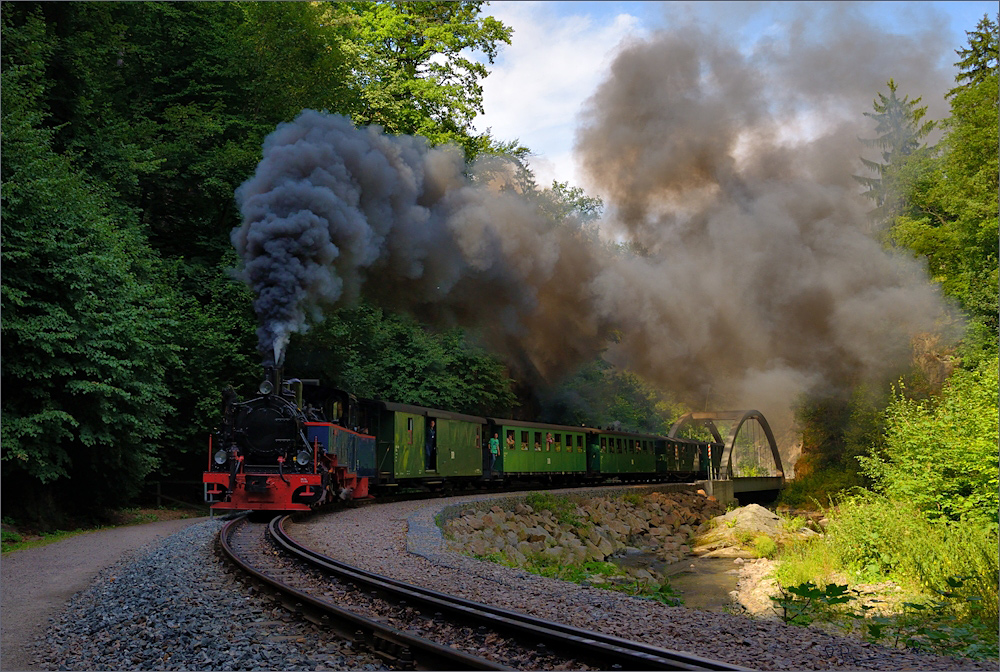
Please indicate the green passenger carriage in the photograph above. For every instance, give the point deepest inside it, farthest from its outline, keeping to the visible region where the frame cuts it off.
(403, 433)
(538, 448)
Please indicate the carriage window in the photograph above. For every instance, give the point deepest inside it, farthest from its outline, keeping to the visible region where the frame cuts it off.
(618, 442)
(510, 439)
(558, 439)
(604, 445)
(538, 440)
(409, 424)
(524, 440)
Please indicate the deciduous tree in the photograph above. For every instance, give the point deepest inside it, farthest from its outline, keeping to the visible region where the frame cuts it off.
(85, 329)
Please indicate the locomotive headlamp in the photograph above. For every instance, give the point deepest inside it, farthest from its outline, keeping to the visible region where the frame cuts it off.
(220, 457)
(304, 457)
(266, 387)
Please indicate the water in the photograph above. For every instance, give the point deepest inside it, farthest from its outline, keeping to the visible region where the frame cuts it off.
(703, 583)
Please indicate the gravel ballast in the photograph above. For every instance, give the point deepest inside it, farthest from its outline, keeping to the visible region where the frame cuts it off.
(171, 605)
(402, 540)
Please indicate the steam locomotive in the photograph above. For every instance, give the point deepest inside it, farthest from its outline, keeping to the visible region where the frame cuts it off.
(297, 445)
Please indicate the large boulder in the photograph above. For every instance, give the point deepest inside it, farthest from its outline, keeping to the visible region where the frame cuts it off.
(727, 535)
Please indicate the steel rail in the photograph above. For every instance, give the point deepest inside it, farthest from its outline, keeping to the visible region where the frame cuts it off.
(605, 651)
(401, 648)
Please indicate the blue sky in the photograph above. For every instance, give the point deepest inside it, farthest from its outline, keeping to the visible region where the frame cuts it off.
(561, 51)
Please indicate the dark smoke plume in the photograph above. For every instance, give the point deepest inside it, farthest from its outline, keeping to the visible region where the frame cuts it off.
(759, 285)
(334, 211)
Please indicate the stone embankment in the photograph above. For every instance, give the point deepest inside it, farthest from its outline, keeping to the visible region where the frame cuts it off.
(586, 530)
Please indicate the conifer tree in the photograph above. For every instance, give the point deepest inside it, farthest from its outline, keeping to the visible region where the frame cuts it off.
(900, 127)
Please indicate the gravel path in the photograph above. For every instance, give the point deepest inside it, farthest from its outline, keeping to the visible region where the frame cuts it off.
(172, 606)
(35, 583)
(401, 540)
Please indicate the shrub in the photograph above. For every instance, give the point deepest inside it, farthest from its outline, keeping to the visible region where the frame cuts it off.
(764, 546)
(811, 560)
(878, 537)
(941, 454)
(818, 488)
(634, 499)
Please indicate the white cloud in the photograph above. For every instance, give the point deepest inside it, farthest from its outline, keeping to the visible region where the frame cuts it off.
(538, 84)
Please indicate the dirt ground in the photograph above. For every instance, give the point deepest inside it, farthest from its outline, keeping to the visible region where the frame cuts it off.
(35, 583)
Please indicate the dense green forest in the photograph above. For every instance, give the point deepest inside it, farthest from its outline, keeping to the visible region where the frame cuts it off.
(127, 127)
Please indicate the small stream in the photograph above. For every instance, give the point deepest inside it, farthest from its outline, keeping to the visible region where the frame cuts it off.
(703, 583)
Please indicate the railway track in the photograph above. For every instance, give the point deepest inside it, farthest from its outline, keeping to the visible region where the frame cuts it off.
(416, 628)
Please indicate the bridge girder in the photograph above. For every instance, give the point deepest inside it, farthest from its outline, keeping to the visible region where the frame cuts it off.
(738, 419)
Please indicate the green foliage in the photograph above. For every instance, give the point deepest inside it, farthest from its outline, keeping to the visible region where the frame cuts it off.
(900, 128)
(375, 354)
(876, 537)
(85, 329)
(806, 602)
(416, 74)
(561, 202)
(818, 488)
(126, 129)
(563, 509)
(764, 546)
(808, 560)
(633, 498)
(939, 625)
(953, 218)
(547, 566)
(941, 454)
(793, 524)
(599, 395)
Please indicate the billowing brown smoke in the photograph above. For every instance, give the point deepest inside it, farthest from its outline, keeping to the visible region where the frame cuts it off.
(759, 284)
(334, 212)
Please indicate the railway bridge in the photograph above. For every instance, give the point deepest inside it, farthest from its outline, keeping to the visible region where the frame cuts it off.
(750, 464)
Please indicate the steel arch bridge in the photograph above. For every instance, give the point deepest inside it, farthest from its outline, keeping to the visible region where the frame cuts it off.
(737, 420)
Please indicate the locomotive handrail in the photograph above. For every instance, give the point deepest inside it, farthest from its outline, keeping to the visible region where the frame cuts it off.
(339, 428)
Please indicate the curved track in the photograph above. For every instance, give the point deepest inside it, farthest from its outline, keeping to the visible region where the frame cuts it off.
(510, 639)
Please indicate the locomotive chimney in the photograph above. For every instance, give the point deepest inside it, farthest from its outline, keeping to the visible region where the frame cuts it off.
(272, 380)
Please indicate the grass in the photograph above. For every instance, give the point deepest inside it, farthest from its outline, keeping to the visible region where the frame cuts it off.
(12, 538)
(543, 565)
(563, 508)
(818, 488)
(947, 575)
(764, 546)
